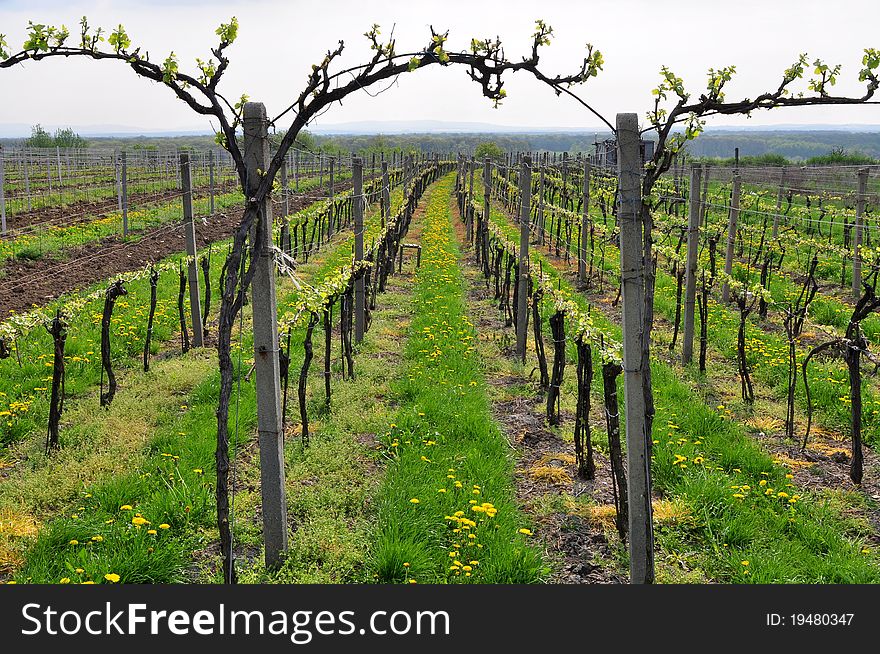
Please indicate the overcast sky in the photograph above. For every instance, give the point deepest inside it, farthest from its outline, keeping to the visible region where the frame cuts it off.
(278, 41)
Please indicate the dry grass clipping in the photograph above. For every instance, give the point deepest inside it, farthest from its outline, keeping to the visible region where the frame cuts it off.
(13, 527)
(553, 456)
(826, 449)
(783, 460)
(766, 424)
(550, 474)
(665, 512)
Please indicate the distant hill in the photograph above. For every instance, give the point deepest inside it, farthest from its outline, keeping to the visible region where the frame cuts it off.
(794, 145)
(796, 142)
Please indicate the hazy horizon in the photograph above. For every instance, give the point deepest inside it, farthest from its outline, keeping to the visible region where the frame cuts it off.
(279, 40)
(12, 131)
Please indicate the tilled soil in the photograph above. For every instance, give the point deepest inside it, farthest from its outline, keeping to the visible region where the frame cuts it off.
(85, 211)
(26, 283)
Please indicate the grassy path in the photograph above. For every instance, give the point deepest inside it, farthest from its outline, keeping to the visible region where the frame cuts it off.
(447, 510)
(149, 453)
(573, 532)
(332, 483)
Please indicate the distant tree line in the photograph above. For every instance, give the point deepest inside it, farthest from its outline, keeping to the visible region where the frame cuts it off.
(62, 138)
(795, 146)
(836, 157)
(766, 148)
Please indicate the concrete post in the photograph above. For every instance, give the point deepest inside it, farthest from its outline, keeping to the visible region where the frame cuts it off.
(265, 331)
(704, 207)
(779, 195)
(189, 232)
(330, 216)
(857, 234)
(564, 179)
(470, 198)
(641, 532)
(731, 237)
(522, 297)
(487, 199)
(693, 241)
(357, 174)
(285, 224)
(123, 184)
(386, 194)
(2, 193)
(541, 198)
(585, 232)
(118, 178)
(211, 178)
(27, 180)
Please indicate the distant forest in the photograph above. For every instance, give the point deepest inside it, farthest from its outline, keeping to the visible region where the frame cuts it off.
(785, 146)
(792, 145)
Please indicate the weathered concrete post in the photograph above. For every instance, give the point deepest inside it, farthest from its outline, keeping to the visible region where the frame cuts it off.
(731, 236)
(330, 190)
(265, 330)
(189, 233)
(285, 222)
(585, 225)
(565, 180)
(641, 532)
(857, 234)
(27, 180)
(211, 180)
(118, 178)
(386, 194)
(357, 173)
(470, 199)
(541, 198)
(690, 271)
(2, 193)
(704, 207)
(487, 200)
(522, 298)
(123, 197)
(779, 196)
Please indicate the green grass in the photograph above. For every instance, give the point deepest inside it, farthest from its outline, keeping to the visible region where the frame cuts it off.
(167, 487)
(149, 452)
(24, 388)
(446, 456)
(24, 396)
(330, 484)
